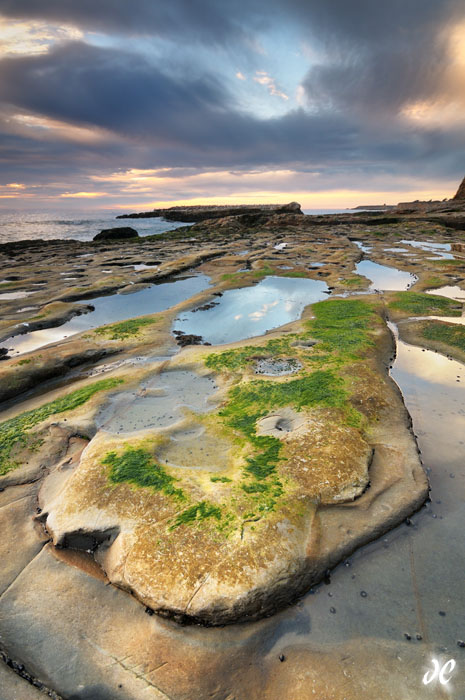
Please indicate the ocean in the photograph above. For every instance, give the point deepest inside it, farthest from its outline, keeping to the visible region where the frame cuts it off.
(78, 225)
(82, 226)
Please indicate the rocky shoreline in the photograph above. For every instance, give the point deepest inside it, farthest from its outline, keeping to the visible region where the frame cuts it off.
(111, 529)
(195, 213)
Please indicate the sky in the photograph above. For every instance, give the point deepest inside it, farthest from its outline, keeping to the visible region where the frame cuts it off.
(137, 104)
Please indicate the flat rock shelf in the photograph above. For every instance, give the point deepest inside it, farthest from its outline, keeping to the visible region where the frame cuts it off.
(268, 474)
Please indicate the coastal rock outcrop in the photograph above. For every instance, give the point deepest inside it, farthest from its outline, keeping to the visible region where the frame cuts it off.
(219, 517)
(460, 194)
(117, 233)
(196, 213)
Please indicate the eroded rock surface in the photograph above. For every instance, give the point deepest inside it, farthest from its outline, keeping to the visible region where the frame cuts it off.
(190, 541)
(237, 539)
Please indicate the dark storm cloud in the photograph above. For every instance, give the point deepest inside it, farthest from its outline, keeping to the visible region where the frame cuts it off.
(378, 53)
(108, 88)
(195, 19)
(155, 120)
(375, 58)
(192, 119)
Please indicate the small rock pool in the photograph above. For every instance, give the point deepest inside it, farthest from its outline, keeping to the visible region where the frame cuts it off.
(111, 309)
(384, 277)
(251, 311)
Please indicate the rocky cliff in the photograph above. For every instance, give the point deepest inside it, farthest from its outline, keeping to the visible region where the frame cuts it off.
(460, 194)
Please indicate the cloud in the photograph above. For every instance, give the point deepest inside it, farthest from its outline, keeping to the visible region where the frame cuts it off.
(262, 77)
(26, 37)
(82, 195)
(196, 20)
(381, 94)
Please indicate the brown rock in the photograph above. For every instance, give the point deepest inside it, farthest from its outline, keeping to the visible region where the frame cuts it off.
(460, 194)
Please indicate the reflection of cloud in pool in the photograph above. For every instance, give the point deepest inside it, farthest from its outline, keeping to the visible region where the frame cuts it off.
(251, 311)
(257, 315)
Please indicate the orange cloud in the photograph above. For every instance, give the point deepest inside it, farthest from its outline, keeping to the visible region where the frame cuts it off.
(33, 37)
(52, 129)
(262, 77)
(83, 195)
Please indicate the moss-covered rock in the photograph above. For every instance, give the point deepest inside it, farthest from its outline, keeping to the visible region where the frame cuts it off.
(190, 542)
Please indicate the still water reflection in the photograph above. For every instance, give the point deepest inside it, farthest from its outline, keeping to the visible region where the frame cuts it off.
(251, 311)
(110, 309)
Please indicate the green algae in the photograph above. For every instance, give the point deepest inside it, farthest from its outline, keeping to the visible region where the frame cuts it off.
(125, 329)
(137, 466)
(417, 304)
(344, 329)
(220, 479)
(445, 333)
(343, 326)
(435, 282)
(233, 360)
(16, 431)
(355, 281)
(197, 513)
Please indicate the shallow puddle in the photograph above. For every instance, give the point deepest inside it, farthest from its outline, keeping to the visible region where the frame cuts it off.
(364, 248)
(441, 250)
(161, 402)
(385, 278)
(142, 266)
(195, 448)
(277, 367)
(449, 291)
(6, 296)
(251, 311)
(111, 309)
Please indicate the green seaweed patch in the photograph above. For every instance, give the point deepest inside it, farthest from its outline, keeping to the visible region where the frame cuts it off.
(231, 276)
(343, 326)
(345, 330)
(197, 513)
(248, 403)
(233, 360)
(417, 304)
(293, 273)
(24, 362)
(447, 263)
(263, 272)
(445, 333)
(125, 329)
(137, 466)
(220, 479)
(15, 431)
(433, 282)
(355, 281)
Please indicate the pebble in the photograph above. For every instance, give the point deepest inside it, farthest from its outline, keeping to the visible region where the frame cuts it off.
(364, 594)
(407, 636)
(461, 643)
(282, 658)
(332, 610)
